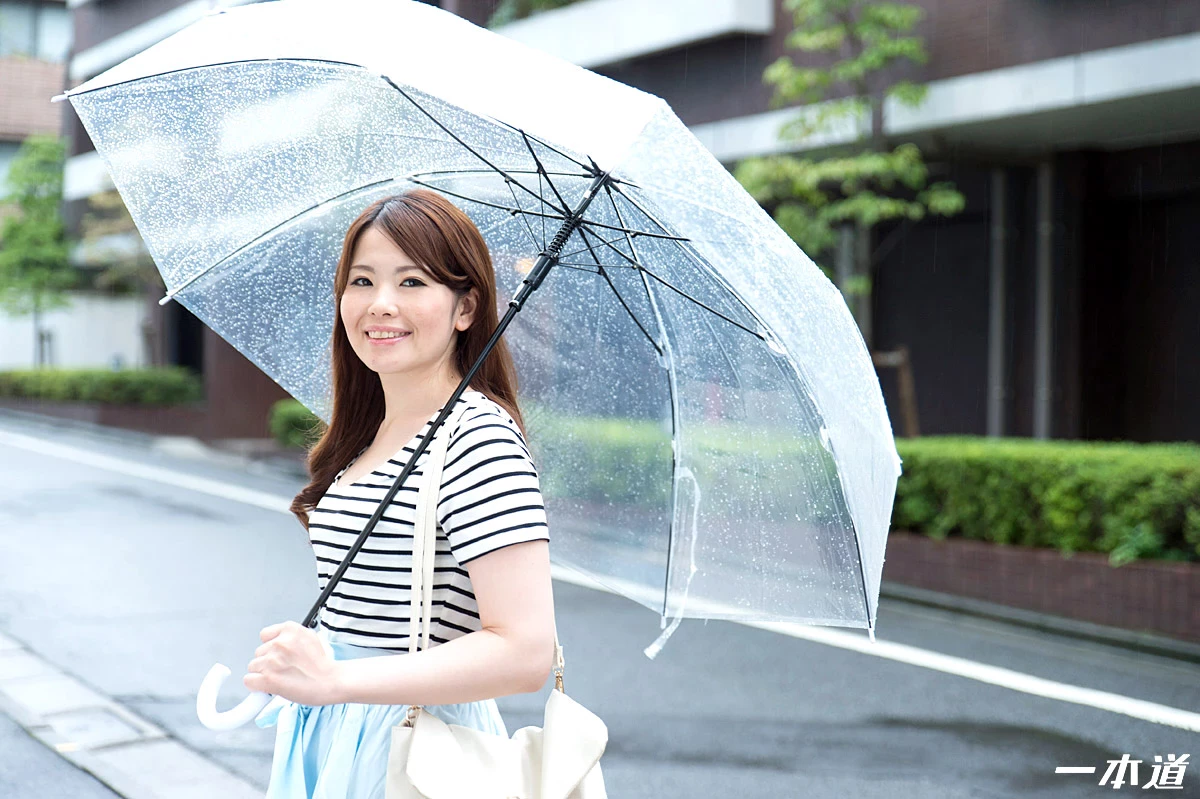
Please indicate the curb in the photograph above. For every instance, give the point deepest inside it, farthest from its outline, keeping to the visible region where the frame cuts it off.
(1147, 643)
(132, 756)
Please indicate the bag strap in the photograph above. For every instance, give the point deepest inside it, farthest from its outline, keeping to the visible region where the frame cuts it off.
(424, 543)
(425, 547)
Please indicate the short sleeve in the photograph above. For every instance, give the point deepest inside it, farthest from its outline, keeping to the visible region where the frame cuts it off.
(490, 495)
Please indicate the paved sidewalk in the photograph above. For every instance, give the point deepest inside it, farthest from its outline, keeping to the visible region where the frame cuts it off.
(64, 740)
(29, 769)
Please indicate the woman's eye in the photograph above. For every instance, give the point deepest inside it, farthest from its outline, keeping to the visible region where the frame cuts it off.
(412, 280)
(360, 281)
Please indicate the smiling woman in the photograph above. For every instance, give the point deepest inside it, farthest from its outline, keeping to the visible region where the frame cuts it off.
(389, 299)
(416, 303)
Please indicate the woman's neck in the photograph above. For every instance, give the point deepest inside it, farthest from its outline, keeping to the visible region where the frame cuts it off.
(408, 398)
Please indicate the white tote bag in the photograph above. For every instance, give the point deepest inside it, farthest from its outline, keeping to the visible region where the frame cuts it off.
(430, 759)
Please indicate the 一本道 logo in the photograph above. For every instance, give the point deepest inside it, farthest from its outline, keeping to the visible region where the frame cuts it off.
(1167, 776)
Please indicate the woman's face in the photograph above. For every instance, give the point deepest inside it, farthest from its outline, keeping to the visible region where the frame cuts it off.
(398, 319)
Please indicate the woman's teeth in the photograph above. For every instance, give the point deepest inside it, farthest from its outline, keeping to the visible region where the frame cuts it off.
(384, 334)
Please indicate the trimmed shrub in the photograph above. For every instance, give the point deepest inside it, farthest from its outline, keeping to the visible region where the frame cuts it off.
(294, 425)
(170, 385)
(1131, 501)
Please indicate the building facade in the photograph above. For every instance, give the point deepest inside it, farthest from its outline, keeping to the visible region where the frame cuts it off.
(95, 329)
(1060, 303)
(238, 396)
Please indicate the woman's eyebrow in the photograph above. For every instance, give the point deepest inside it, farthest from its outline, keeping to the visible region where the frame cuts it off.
(409, 268)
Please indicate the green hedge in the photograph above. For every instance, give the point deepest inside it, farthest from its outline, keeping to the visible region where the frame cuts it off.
(293, 425)
(153, 386)
(1131, 501)
(1128, 500)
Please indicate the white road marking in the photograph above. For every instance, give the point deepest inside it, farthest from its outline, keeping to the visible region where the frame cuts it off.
(259, 499)
(901, 653)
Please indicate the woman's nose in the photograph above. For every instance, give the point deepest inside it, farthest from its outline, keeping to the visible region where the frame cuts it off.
(383, 302)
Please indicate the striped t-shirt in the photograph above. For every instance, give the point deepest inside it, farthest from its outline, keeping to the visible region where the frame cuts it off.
(490, 498)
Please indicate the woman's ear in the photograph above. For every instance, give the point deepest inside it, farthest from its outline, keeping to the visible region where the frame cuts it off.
(467, 305)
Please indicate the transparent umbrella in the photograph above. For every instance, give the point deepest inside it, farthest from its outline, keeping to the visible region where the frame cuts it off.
(708, 426)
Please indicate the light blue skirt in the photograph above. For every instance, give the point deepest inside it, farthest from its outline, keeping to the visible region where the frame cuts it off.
(341, 751)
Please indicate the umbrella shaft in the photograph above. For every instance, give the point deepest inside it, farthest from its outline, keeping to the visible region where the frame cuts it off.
(544, 263)
(549, 256)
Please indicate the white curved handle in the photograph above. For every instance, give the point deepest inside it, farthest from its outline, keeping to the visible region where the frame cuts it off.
(206, 702)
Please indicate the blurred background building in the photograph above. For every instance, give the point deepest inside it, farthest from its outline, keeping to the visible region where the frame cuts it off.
(1061, 302)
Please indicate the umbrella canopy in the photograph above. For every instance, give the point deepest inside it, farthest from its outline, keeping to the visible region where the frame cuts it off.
(709, 429)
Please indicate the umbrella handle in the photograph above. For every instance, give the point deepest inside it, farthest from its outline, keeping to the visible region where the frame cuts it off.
(206, 702)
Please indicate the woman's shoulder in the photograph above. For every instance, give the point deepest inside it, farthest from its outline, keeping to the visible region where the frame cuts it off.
(483, 413)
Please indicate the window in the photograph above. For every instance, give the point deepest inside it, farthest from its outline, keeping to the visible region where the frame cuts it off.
(35, 29)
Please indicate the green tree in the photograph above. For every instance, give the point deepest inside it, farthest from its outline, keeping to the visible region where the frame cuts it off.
(34, 271)
(830, 201)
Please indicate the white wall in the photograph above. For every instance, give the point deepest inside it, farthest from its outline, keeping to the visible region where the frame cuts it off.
(90, 332)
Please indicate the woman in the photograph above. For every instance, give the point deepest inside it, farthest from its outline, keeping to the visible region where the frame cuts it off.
(416, 300)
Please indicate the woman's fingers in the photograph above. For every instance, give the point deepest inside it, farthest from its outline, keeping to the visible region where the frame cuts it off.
(274, 630)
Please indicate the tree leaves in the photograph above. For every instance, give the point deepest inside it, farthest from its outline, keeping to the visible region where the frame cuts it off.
(870, 181)
(34, 272)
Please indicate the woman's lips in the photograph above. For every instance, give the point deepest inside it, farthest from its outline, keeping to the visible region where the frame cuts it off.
(383, 342)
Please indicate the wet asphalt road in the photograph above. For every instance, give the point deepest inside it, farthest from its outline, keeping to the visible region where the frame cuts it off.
(138, 588)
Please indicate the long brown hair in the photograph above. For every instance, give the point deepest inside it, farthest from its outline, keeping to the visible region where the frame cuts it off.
(440, 237)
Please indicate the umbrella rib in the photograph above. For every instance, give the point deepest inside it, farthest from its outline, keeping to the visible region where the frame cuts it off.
(648, 215)
(657, 347)
(690, 252)
(449, 172)
(510, 209)
(551, 147)
(620, 299)
(713, 311)
(588, 247)
(683, 293)
(542, 191)
(524, 218)
(589, 268)
(175, 291)
(541, 170)
(465, 146)
(705, 267)
(635, 233)
(674, 395)
(198, 67)
(606, 266)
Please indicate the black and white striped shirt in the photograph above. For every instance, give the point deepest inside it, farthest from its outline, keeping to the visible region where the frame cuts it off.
(490, 498)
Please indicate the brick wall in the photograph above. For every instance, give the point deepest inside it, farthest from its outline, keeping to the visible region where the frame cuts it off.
(1159, 597)
(26, 86)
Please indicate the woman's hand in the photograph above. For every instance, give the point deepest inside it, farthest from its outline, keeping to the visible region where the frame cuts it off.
(295, 664)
